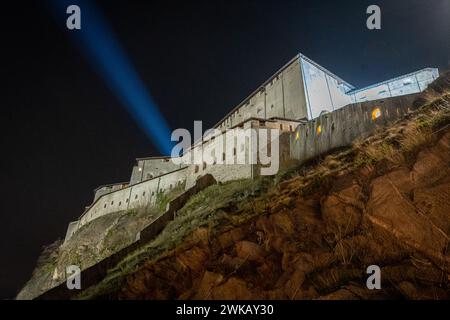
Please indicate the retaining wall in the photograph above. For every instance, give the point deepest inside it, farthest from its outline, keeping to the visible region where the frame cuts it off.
(341, 127)
(97, 272)
(131, 197)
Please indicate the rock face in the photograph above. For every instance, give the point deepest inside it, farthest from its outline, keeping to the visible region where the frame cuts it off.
(384, 202)
(319, 246)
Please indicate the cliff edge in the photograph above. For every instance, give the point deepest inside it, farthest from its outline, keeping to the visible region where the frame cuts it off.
(309, 232)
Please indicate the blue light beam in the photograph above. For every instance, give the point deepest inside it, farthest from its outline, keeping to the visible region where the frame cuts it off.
(98, 44)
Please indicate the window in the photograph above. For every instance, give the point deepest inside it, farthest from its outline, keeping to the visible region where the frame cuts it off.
(170, 186)
(120, 203)
(112, 202)
(234, 151)
(135, 197)
(281, 127)
(290, 128)
(204, 166)
(195, 168)
(271, 106)
(297, 135)
(153, 193)
(407, 82)
(143, 193)
(104, 206)
(319, 129)
(126, 200)
(223, 156)
(376, 113)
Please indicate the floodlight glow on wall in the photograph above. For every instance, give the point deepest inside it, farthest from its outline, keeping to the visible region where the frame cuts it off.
(97, 42)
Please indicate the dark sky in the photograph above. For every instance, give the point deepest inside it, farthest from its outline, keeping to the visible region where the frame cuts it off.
(64, 132)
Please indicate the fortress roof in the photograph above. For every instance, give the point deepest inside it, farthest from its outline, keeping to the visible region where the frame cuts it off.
(284, 67)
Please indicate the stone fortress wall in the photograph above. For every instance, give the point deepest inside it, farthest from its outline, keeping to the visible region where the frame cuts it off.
(134, 196)
(313, 110)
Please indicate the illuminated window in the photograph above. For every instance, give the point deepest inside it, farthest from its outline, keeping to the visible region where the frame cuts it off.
(376, 113)
(297, 135)
(319, 129)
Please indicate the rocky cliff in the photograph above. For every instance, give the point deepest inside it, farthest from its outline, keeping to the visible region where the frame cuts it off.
(312, 231)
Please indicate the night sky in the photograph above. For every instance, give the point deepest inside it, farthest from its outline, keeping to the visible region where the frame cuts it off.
(64, 132)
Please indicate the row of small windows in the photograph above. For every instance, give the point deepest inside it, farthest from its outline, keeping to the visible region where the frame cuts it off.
(136, 196)
(204, 165)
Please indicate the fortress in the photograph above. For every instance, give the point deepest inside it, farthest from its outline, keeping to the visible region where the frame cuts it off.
(310, 109)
